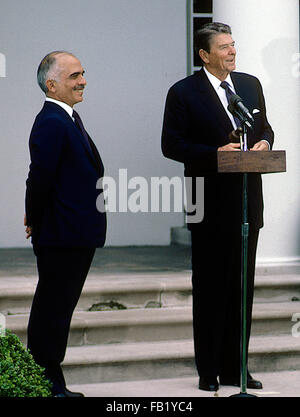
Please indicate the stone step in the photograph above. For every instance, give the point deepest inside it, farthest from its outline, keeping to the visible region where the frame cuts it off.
(155, 324)
(168, 359)
(274, 318)
(275, 385)
(105, 327)
(140, 291)
(277, 288)
(111, 291)
(287, 266)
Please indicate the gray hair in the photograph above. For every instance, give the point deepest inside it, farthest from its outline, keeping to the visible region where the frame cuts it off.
(49, 69)
(204, 35)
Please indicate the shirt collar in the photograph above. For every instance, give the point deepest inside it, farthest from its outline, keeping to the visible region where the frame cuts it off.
(65, 106)
(216, 82)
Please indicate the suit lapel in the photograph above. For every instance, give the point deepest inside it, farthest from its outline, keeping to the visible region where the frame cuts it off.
(239, 86)
(92, 151)
(246, 91)
(212, 102)
(242, 88)
(96, 156)
(83, 140)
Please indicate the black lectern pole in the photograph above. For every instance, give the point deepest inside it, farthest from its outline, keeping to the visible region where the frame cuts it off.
(244, 263)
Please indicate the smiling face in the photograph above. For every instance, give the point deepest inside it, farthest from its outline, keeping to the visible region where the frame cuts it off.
(69, 84)
(220, 60)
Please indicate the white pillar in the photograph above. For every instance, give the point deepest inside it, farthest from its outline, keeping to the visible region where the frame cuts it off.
(267, 40)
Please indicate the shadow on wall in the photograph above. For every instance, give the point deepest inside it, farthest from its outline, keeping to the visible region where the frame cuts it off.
(283, 88)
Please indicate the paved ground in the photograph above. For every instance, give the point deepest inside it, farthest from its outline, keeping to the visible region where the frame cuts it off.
(21, 261)
(278, 384)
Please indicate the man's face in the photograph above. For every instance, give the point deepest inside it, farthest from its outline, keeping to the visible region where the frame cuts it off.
(220, 61)
(71, 82)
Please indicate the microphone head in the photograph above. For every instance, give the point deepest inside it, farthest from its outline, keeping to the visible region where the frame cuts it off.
(234, 99)
(239, 115)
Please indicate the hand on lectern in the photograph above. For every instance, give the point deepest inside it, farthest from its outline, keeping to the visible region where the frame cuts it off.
(234, 141)
(230, 147)
(262, 145)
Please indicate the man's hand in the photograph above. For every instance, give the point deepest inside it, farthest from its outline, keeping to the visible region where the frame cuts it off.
(230, 147)
(260, 146)
(28, 229)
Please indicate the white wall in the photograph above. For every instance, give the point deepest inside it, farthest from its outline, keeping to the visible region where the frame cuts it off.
(132, 51)
(267, 40)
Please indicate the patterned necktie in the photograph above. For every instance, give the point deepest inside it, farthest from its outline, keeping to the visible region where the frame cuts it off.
(79, 124)
(229, 93)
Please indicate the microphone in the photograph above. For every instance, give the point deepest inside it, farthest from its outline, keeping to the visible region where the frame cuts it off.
(237, 104)
(239, 115)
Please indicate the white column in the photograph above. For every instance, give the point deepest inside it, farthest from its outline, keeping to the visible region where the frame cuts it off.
(267, 40)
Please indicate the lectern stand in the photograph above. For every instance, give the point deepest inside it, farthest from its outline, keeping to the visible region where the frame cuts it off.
(248, 162)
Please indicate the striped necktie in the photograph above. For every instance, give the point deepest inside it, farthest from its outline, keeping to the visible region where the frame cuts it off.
(229, 93)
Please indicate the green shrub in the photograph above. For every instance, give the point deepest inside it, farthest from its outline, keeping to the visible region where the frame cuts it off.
(20, 376)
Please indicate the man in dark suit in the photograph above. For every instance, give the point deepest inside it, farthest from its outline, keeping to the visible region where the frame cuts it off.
(61, 215)
(197, 125)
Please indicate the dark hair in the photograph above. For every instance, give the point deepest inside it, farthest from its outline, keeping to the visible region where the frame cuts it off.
(203, 36)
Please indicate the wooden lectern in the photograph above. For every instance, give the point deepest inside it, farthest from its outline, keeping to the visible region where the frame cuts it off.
(263, 162)
(245, 162)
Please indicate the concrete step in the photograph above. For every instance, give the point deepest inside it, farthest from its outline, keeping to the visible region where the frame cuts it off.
(155, 324)
(111, 291)
(274, 318)
(105, 327)
(277, 288)
(168, 359)
(140, 290)
(275, 384)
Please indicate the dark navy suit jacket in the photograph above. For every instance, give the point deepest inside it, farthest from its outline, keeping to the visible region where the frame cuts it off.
(196, 124)
(61, 188)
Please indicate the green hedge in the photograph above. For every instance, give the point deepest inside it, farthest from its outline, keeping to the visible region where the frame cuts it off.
(20, 376)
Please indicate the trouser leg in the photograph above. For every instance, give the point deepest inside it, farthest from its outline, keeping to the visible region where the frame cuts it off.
(216, 262)
(62, 273)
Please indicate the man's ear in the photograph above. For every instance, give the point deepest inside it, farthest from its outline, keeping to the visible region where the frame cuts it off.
(204, 56)
(50, 84)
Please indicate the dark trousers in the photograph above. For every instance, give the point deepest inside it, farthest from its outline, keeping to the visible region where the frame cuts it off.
(216, 279)
(62, 273)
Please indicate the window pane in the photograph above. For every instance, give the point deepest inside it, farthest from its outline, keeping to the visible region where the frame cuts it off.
(198, 22)
(202, 6)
